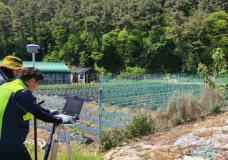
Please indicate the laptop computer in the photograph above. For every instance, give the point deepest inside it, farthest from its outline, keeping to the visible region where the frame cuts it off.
(73, 106)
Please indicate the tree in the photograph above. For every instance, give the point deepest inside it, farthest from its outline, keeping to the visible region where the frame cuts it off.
(6, 33)
(130, 45)
(219, 62)
(111, 60)
(158, 35)
(134, 70)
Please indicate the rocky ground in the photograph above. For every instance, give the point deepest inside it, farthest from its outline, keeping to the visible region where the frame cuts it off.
(205, 139)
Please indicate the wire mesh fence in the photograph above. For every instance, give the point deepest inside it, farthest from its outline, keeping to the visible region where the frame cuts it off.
(115, 100)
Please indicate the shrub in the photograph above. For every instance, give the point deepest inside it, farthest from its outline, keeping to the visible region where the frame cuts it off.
(210, 98)
(178, 121)
(216, 109)
(111, 138)
(141, 125)
(161, 118)
(182, 109)
(186, 108)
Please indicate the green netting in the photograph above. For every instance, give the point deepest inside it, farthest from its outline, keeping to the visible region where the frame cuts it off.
(207, 152)
(128, 94)
(141, 91)
(113, 101)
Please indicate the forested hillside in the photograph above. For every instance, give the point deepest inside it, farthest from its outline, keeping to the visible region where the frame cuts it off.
(157, 35)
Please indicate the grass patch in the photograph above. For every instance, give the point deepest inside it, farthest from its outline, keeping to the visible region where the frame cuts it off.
(146, 156)
(78, 154)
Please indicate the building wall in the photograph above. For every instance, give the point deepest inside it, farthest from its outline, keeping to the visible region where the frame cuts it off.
(56, 78)
(91, 77)
(85, 78)
(81, 78)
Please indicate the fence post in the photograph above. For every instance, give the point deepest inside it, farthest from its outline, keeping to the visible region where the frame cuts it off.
(100, 110)
(148, 104)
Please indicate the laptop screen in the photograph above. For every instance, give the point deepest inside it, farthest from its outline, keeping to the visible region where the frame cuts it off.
(73, 106)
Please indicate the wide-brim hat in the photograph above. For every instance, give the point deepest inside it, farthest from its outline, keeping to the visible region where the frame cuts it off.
(12, 62)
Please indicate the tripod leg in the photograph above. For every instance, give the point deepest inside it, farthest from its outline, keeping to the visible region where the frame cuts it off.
(35, 139)
(49, 144)
(55, 144)
(68, 145)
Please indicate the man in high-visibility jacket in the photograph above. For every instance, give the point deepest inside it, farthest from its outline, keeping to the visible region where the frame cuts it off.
(17, 105)
(9, 68)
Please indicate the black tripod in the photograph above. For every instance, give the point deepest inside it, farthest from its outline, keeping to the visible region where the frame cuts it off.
(52, 146)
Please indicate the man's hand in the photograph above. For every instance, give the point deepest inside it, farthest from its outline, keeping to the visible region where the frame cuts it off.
(66, 119)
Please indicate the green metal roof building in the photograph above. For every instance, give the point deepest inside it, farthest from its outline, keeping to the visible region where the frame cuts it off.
(54, 72)
(48, 66)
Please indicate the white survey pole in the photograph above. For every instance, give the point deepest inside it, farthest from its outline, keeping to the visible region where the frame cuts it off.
(34, 59)
(33, 49)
